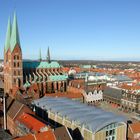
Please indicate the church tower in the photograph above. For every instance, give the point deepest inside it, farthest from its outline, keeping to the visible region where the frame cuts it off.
(13, 71)
(48, 55)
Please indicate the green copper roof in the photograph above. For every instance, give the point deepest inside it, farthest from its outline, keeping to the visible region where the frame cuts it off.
(8, 36)
(15, 35)
(43, 64)
(49, 65)
(27, 84)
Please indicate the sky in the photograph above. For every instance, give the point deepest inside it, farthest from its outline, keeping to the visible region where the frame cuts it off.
(75, 29)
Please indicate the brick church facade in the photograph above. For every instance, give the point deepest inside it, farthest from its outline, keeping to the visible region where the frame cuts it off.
(46, 75)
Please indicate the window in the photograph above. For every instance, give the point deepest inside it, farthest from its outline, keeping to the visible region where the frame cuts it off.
(106, 133)
(14, 81)
(14, 64)
(17, 64)
(110, 132)
(113, 131)
(17, 57)
(113, 138)
(18, 72)
(14, 72)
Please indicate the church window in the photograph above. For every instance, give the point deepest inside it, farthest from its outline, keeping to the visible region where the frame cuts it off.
(14, 64)
(14, 81)
(15, 57)
(18, 64)
(18, 72)
(14, 72)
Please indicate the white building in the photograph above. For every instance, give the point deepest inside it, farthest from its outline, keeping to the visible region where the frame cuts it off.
(93, 96)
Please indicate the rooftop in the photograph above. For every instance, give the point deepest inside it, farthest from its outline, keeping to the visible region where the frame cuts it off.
(47, 135)
(42, 64)
(31, 122)
(71, 94)
(135, 127)
(90, 117)
(113, 92)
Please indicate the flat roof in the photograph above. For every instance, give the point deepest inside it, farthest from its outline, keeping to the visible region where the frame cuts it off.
(91, 117)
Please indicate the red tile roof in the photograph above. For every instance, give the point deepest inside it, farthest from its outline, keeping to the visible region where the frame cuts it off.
(135, 127)
(73, 93)
(47, 135)
(129, 87)
(31, 122)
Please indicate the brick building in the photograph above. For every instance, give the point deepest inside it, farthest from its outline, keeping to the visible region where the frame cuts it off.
(46, 75)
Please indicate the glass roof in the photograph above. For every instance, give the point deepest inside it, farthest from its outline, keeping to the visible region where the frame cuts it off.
(92, 118)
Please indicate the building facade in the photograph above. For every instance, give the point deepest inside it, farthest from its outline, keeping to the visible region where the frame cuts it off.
(13, 71)
(92, 123)
(93, 91)
(130, 102)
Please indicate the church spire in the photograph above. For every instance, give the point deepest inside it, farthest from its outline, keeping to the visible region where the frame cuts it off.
(8, 36)
(15, 34)
(48, 55)
(40, 57)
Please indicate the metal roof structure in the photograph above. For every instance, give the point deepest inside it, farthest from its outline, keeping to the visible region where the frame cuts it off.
(90, 117)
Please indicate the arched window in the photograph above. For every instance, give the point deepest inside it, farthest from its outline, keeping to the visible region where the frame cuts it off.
(14, 72)
(14, 64)
(19, 83)
(17, 57)
(14, 81)
(18, 72)
(17, 64)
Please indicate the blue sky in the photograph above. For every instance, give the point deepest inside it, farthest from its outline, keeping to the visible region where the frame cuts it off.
(75, 29)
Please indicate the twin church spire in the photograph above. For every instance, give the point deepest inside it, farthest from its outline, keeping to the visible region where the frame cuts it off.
(12, 35)
(47, 57)
(12, 38)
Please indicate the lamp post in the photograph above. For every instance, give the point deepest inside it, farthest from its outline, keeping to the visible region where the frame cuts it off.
(4, 111)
